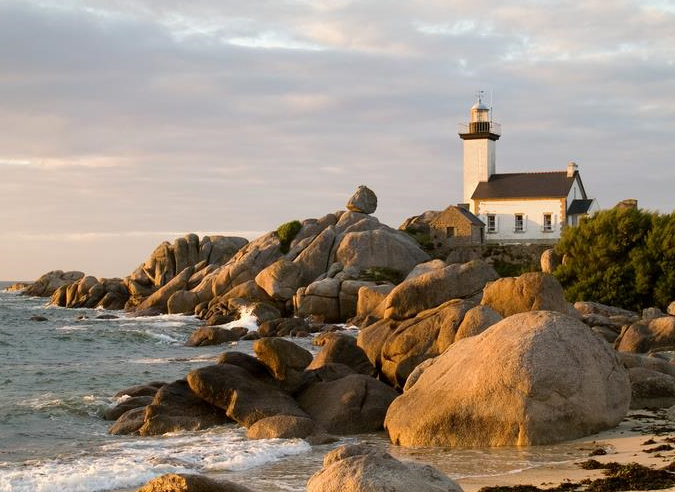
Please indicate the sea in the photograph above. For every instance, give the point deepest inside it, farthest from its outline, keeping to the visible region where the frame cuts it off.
(57, 378)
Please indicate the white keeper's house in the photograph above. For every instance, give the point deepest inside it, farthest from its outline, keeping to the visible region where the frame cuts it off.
(525, 207)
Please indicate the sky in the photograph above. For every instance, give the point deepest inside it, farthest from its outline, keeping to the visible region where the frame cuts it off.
(130, 122)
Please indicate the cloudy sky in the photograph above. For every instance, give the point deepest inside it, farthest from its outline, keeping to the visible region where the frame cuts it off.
(127, 122)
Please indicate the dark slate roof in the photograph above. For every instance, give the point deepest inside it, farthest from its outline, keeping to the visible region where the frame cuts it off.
(474, 220)
(579, 207)
(466, 214)
(554, 184)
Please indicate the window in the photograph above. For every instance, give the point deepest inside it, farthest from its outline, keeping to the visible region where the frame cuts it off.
(548, 223)
(449, 232)
(520, 223)
(491, 223)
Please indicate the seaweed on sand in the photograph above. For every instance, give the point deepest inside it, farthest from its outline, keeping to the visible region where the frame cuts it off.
(618, 477)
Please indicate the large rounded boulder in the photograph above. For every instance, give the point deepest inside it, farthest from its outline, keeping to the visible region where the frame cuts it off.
(380, 248)
(531, 291)
(353, 404)
(439, 285)
(363, 200)
(656, 335)
(360, 468)
(183, 482)
(534, 378)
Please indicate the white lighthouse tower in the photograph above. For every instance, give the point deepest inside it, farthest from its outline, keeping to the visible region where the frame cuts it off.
(479, 136)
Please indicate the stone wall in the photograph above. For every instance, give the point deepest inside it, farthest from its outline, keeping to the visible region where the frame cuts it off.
(465, 232)
(509, 259)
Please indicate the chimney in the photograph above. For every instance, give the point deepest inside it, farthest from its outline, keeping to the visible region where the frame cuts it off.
(571, 168)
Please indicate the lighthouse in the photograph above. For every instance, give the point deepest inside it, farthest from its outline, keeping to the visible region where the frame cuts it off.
(480, 136)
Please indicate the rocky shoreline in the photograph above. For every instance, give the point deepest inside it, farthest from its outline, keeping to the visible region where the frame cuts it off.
(447, 354)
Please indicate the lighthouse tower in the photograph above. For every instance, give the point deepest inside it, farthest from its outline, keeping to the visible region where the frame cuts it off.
(479, 136)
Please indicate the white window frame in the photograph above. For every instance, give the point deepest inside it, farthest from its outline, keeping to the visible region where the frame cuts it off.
(495, 226)
(551, 225)
(523, 223)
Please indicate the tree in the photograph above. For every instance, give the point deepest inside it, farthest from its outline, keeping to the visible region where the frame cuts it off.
(621, 257)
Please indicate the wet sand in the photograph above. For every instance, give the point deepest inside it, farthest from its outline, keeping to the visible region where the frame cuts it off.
(624, 444)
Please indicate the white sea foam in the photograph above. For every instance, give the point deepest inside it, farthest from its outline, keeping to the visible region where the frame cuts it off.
(164, 360)
(246, 319)
(160, 337)
(72, 328)
(130, 463)
(161, 320)
(85, 405)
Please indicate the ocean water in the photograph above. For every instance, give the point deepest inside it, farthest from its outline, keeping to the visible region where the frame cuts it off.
(58, 377)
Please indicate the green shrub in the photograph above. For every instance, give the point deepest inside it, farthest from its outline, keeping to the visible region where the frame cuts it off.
(510, 269)
(287, 232)
(382, 274)
(619, 257)
(424, 240)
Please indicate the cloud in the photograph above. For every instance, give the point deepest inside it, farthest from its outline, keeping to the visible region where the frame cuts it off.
(273, 40)
(458, 28)
(77, 237)
(14, 162)
(78, 161)
(160, 115)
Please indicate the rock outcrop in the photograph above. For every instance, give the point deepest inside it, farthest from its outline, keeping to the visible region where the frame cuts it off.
(363, 200)
(128, 404)
(159, 299)
(420, 224)
(175, 407)
(550, 260)
(671, 309)
(341, 349)
(595, 308)
(630, 360)
(360, 468)
(48, 283)
(170, 259)
(431, 289)
(370, 301)
(353, 404)
(380, 248)
(534, 378)
(648, 335)
(245, 264)
(530, 292)
(280, 280)
(651, 389)
(182, 482)
(244, 398)
(284, 359)
(289, 427)
(211, 335)
(425, 336)
(476, 321)
(90, 292)
(310, 268)
(18, 287)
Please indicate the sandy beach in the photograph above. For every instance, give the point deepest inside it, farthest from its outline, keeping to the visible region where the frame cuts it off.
(626, 443)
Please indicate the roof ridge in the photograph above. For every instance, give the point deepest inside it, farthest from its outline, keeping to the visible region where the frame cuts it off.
(531, 172)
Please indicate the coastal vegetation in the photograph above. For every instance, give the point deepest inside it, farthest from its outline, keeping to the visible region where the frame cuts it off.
(287, 232)
(620, 257)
